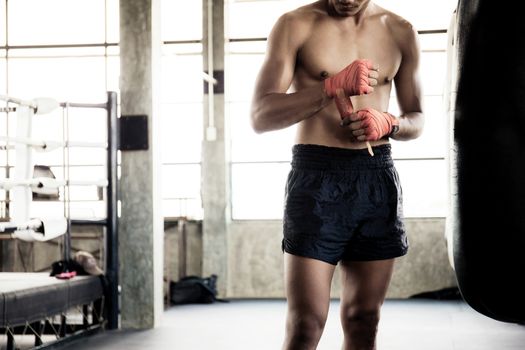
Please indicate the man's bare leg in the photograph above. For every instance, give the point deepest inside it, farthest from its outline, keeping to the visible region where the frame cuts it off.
(364, 286)
(307, 283)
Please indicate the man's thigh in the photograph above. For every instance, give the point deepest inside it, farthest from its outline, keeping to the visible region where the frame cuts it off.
(307, 284)
(365, 283)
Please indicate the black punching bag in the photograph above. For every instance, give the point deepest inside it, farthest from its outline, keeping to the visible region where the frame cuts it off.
(489, 134)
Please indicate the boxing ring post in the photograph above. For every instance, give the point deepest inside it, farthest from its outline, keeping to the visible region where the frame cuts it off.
(111, 222)
(112, 261)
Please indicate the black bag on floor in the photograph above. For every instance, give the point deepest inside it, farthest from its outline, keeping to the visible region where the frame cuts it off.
(194, 290)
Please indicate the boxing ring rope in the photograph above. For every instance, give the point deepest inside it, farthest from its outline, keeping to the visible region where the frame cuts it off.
(39, 230)
(46, 182)
(45, 105)
(21, 226)
(41, 105)
(46, 145)
(19, 101)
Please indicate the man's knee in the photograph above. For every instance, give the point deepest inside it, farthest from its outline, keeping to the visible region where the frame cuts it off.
(360, 319)
(305, 329)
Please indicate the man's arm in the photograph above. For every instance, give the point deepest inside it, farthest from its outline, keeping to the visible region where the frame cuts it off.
(272, 107)
(408, 87)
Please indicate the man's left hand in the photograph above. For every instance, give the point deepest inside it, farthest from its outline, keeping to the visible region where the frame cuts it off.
(369, 124)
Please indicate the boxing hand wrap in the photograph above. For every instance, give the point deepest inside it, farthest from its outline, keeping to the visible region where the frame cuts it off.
(353, 79)
(376, 124)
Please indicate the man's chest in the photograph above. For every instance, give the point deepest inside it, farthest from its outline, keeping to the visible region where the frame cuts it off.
(329, 51)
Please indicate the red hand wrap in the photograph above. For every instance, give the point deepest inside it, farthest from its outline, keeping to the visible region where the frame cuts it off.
(353, 79)
(376, 124)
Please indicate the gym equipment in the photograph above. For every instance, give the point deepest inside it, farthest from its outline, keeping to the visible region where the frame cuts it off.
(488, 158)
(46, 145)
(35, 303)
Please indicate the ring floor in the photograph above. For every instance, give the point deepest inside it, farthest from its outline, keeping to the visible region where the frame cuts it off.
(412, 324)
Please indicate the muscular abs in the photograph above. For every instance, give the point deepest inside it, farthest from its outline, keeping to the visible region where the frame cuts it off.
(330, 48)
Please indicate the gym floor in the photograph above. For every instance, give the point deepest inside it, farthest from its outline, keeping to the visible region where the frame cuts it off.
(258, 324)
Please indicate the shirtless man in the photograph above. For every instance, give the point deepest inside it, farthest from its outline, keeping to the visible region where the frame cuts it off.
(342, 204)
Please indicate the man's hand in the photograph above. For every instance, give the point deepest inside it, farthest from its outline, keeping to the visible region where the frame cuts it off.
(357, 78)
(370, 125)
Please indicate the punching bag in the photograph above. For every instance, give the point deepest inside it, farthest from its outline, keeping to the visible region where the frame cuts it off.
(489, 137)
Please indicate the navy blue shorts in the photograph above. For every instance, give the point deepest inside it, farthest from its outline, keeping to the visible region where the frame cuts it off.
(343, 204)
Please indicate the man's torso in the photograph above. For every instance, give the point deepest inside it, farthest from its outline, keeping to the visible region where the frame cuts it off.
(330, 44)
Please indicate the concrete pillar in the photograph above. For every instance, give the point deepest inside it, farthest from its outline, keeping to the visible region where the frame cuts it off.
(141, 222)
(215, 166)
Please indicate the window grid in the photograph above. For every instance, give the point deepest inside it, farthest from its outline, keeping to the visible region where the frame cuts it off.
(182, 205)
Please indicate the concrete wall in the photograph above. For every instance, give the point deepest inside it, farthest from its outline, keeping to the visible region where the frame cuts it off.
(172, 253)
(256, 262)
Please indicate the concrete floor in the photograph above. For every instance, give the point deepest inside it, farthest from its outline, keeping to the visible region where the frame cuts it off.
(257, 325)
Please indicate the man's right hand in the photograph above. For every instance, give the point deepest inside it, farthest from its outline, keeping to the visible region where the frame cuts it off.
(357, 78)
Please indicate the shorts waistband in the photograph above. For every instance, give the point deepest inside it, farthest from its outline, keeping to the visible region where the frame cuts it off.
(318, 157)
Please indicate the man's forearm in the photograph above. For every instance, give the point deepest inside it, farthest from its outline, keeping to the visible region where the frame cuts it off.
(410, 126)
(276, 111)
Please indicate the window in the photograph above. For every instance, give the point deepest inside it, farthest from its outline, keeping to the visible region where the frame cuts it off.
(2, 23)
(56, 22)
(181, 20)
(66, 74)
(182, 107)
(61, 49)
(68, 50)
(424, 15)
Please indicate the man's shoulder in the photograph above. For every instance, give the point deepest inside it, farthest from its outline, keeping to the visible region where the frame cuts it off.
(401, 29)
(305, 15)
(397, 24)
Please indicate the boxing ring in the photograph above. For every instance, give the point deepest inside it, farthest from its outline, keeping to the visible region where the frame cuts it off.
(56, 310)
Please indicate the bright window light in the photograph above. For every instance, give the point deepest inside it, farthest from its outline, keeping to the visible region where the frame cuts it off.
(255, 19)
(181, 113)
(424, 187)
(181, 133)
(2, 23)
(182, 78)
(242, 72)
(181, 20)
(63, 78)
(37, 22)
(112, 21)
(247, 146)
(424, 15)
(258, 190)
(3, 82)
(181, 190)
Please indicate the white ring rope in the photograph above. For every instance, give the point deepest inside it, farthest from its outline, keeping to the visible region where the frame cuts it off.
(46, 182)
(33, 224)
(35, 229)
(41, 105)
(19, 101)
(47, 146)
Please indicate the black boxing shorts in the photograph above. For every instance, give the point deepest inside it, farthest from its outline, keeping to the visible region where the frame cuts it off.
(343, 204)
